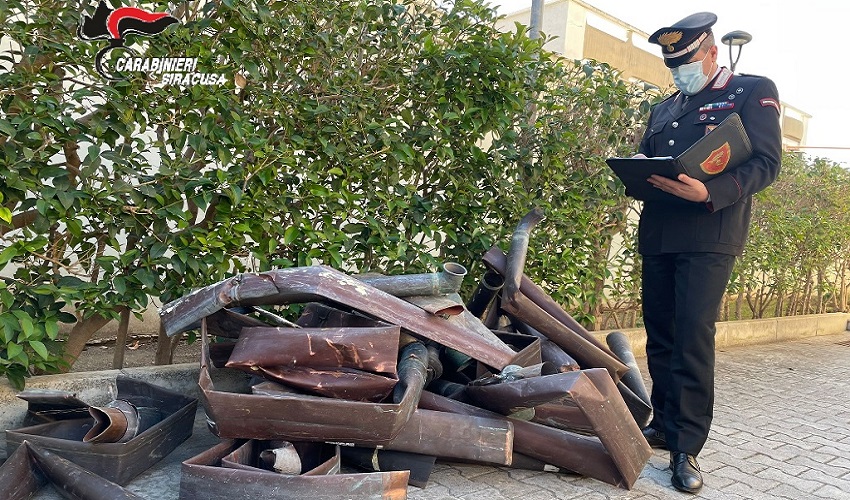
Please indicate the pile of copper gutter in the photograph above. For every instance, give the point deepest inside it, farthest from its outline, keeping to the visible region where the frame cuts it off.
(401, 372)
(91, 452)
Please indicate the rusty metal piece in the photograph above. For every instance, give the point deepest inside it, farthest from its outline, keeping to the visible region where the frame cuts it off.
(631, 386)
(528, 348)
(449, 389)
(342, 383)
(584, 455)
(576, 346)
(270, 414)
(409, 285)
(549, 351)
(517, 253)
(120, 421)
(347, 362)
(453, 436)
(412, 367)
(497, 260)
(484, 296)
(74, 481)
(435, 366)
(377, 460)
(49, 405)
(19, 477)
(117, 462)
(112, 424)
(307, 284)
(440, 305)
(317, 314)
(615, 454)
(619, 343)
(201, 479)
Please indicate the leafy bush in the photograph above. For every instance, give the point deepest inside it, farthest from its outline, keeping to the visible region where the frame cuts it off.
(368, 136)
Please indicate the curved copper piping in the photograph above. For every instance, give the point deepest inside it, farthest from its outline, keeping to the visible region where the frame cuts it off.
(518, 252)
(486, 292)
(117, 422)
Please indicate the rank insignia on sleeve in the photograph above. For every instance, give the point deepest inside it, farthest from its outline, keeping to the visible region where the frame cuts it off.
(769, 101)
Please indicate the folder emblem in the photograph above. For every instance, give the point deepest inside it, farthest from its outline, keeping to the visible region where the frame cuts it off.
(717, 160)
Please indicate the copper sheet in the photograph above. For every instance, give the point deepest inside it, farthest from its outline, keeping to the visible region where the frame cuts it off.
(117, 462)
(623, 452)
(583, 454)
(302, 417)
(348, 363)
(19, 477)
(308, 284)
(553, 395)
(76, 482)
(29, 468)
(202, 479)
(48, 405)
(452, 436)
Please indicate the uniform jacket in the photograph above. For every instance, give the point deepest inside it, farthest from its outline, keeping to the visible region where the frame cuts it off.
(720, 226)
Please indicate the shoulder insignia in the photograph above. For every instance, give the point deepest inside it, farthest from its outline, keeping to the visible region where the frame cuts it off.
(769, 101)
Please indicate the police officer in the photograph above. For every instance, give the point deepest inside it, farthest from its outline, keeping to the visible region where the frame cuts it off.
(689, 244)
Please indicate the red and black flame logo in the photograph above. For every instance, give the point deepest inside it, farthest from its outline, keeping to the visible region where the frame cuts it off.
(114, 24)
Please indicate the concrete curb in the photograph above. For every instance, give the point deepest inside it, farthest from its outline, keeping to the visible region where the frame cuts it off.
(754, 331)
(94, 388)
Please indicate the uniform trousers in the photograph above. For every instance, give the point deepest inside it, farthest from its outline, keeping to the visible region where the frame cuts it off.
(681, 300)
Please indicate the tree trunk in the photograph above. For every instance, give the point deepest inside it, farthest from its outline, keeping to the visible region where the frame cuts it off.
(82, 331)
(121, 340)
(165, 347)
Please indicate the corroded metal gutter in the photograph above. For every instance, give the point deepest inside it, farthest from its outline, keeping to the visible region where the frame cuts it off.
(307, 284)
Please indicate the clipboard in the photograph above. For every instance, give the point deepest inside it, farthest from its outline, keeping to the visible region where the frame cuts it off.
(721, 150)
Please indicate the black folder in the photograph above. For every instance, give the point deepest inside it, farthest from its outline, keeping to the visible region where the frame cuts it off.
(716, 153)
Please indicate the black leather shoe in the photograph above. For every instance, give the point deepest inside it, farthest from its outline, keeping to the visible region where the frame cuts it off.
(686, 474)
(655, 438)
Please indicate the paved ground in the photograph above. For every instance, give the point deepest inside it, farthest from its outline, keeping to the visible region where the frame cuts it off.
(781, 431)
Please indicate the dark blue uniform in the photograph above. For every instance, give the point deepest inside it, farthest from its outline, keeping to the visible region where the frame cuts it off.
(689, 248)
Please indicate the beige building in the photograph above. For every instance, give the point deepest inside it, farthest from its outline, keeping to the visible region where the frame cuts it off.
(581, 31)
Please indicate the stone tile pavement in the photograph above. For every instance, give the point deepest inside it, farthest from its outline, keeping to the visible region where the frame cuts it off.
(781, 431)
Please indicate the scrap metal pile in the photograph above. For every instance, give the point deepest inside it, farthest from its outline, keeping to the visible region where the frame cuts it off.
(91, 452)
(389, 373)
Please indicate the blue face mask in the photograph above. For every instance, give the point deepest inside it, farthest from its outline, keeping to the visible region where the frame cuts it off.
(689, 77)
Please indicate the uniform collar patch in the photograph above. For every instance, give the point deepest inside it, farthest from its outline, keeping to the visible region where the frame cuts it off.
(722, 79)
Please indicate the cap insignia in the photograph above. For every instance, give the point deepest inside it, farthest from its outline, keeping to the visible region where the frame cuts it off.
(669, 39)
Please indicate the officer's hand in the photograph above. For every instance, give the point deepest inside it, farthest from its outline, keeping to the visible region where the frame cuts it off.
(685, 187)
